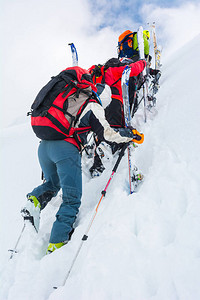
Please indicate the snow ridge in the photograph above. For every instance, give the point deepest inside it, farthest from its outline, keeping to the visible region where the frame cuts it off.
(141, 246)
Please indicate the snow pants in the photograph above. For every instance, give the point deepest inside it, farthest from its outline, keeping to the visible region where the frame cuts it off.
(61, 164)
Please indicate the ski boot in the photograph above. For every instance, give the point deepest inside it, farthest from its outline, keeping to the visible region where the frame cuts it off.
(104, 151)
(158, 75)
(52, 247)
(31, 211)
(137, 178)
(89, 149)
(97, 168)
(151, 102)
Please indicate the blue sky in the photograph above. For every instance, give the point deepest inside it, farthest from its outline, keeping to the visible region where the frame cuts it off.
(129, 10)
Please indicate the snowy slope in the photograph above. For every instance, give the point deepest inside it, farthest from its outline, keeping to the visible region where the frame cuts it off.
(143, 246)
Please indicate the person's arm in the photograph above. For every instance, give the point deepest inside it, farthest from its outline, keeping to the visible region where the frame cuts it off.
(137, 67)
(94, 116)
(116, 72)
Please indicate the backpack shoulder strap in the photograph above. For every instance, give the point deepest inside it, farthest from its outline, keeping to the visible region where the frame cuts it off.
(92, 98)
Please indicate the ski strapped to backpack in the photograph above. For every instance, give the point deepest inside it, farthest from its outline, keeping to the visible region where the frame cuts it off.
(157, 52)
(59, 104)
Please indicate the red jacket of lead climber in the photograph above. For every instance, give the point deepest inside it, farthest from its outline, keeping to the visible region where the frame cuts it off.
(111, 72)
(113, 76)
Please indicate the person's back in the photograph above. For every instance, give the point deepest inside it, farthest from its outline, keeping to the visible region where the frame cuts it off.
(112, 73)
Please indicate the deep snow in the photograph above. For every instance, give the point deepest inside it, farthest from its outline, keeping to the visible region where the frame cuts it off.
(143, 246)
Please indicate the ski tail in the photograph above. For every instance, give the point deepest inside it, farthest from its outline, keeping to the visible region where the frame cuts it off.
(157, 52)
(74, 54)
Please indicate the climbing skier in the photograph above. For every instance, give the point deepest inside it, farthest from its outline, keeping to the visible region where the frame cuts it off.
(110, 73)
(59, 154)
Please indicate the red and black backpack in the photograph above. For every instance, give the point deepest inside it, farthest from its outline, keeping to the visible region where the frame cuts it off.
(59, 104)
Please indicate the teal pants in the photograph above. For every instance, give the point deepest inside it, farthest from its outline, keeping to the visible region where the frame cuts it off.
(61, 164)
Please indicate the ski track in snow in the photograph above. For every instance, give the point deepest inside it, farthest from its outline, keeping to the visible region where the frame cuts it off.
(143, 246)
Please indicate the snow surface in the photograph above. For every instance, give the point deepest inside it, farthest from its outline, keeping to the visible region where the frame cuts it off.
(144, 246)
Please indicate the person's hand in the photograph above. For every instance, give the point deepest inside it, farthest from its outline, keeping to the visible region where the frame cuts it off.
(137, 137)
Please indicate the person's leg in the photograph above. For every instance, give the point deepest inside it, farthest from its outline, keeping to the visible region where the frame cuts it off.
(114, 113)
(49, 189)
(68, 163)
(41, 195)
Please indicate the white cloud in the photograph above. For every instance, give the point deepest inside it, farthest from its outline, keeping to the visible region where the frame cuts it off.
(34, 47)
(176, 26)
(35, 35)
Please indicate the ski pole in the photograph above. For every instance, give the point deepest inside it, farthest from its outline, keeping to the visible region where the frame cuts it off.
(18, 240)
(85, 236)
